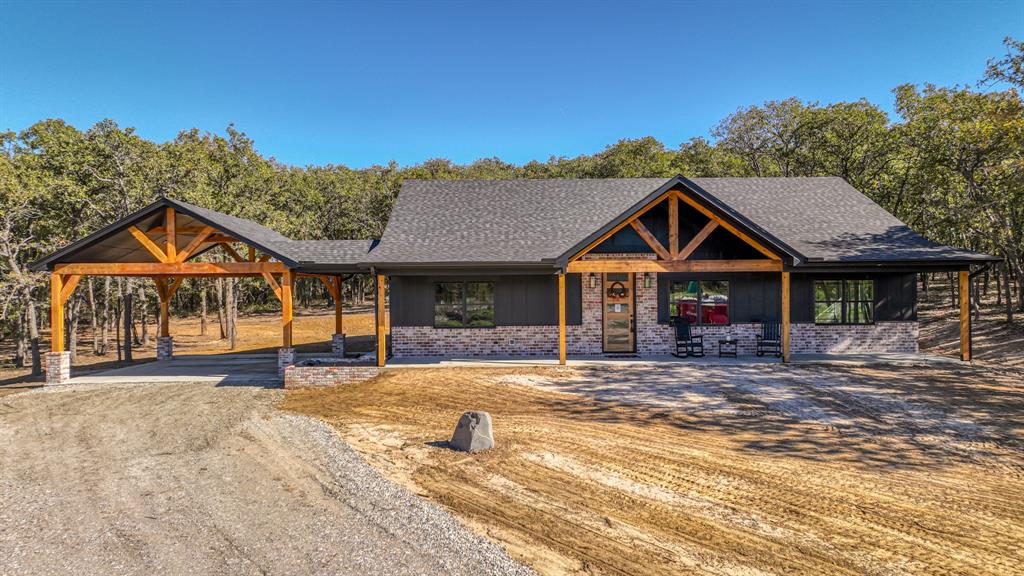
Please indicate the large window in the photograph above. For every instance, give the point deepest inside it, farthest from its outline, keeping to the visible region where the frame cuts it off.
(844, 301)
(463, 304)
(700, 301)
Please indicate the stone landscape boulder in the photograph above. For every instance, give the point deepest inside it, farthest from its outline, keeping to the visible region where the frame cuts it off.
(473, 433)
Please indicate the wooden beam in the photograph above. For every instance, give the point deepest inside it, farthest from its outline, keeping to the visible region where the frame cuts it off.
(382, 348)
(740, 234)
(221, 239)
(674, 266)
(56, 313)
(251, 256)
(697, 240)
(181, 230)
(232, 252)
(273, 285)
(265, 258)
(329, 284)
(651, 241)
(173, 286)
(194, 244)
(965, 316)
(336, 280)
(673, 227)
(70, 282)
(620, 226)
(170, 223)
(171, 269)
(785, 316)
(561, 319)
(287, 280)
(148, 244)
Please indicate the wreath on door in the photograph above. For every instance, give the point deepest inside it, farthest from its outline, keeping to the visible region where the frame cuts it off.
(617, 290)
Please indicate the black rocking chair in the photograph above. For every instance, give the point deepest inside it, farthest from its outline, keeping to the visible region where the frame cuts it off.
(687, 343)
(770, 339)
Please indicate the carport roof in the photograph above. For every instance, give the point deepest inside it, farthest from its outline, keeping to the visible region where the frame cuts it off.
(114, 243)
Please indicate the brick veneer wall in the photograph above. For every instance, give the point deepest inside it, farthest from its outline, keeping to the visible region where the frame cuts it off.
(652, 339)
(317, 376)
(878, 337)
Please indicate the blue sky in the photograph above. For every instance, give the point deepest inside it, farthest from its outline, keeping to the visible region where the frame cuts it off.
(358, 84)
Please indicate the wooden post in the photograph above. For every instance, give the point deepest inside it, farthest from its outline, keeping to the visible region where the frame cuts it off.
(172, 235)
(561, 318)
(162, 286)
(337, 306)
(287, 280)
(785, 316)
(56, 313)
(965, 316)
(381, 337)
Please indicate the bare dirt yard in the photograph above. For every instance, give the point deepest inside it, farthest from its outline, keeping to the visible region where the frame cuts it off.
(197, 479)
(712, 469)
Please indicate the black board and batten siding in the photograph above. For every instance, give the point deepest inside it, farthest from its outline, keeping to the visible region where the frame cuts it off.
(757, 296)
(519, 300)
(532, 300)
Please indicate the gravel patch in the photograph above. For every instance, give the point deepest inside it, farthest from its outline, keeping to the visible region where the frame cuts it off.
(201, 479)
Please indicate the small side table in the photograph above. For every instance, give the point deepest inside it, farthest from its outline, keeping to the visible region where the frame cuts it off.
(727, 348)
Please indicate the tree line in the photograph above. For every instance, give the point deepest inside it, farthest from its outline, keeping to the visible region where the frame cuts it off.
(950, 164)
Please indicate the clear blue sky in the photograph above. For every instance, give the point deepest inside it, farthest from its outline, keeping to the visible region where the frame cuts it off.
(358, 84)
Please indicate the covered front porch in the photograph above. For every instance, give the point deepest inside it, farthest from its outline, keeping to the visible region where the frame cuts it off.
(627, 303)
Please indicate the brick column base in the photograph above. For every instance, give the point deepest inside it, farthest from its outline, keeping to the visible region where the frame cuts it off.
(58, 368)
(164, 347)
(338, 345)
(285, 358)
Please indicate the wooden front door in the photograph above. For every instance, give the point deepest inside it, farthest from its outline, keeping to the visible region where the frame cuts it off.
(617, 311)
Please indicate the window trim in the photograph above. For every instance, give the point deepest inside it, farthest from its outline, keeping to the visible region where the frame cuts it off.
(463, 305)
(700, 299)
(843, 302)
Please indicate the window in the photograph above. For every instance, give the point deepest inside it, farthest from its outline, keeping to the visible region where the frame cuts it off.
(463, 304)
(844, 301)
(700, 301)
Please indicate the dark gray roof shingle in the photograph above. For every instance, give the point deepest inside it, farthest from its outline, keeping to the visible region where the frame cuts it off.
(535, 221)
(326, 252)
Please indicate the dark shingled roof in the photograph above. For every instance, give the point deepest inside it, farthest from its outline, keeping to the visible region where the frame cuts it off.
(538, 221)
(501, 221)
(326, 252)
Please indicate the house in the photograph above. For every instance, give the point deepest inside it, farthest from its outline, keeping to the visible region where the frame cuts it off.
(575, 267)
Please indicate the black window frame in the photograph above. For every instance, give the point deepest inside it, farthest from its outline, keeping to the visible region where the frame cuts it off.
(844, 301)
(700, 298)
(464, 304)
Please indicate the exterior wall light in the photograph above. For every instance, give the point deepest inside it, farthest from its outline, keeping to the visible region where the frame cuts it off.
(647, 279)
(593, 280)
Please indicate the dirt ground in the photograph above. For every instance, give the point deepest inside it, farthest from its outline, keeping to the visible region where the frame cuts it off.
(712, 470)
(201, 479)
(995, 342)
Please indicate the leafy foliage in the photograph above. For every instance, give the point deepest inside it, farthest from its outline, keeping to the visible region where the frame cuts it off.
(950, 164)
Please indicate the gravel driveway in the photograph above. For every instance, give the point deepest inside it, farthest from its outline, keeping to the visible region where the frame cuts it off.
(198, 479)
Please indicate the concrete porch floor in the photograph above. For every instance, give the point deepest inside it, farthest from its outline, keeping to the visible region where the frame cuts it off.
(222, 369)
(622, 360)
(261, 369)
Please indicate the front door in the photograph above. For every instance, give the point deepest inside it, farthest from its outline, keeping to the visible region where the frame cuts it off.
(618, 312)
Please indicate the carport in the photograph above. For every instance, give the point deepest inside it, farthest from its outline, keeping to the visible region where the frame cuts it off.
(165, 240)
